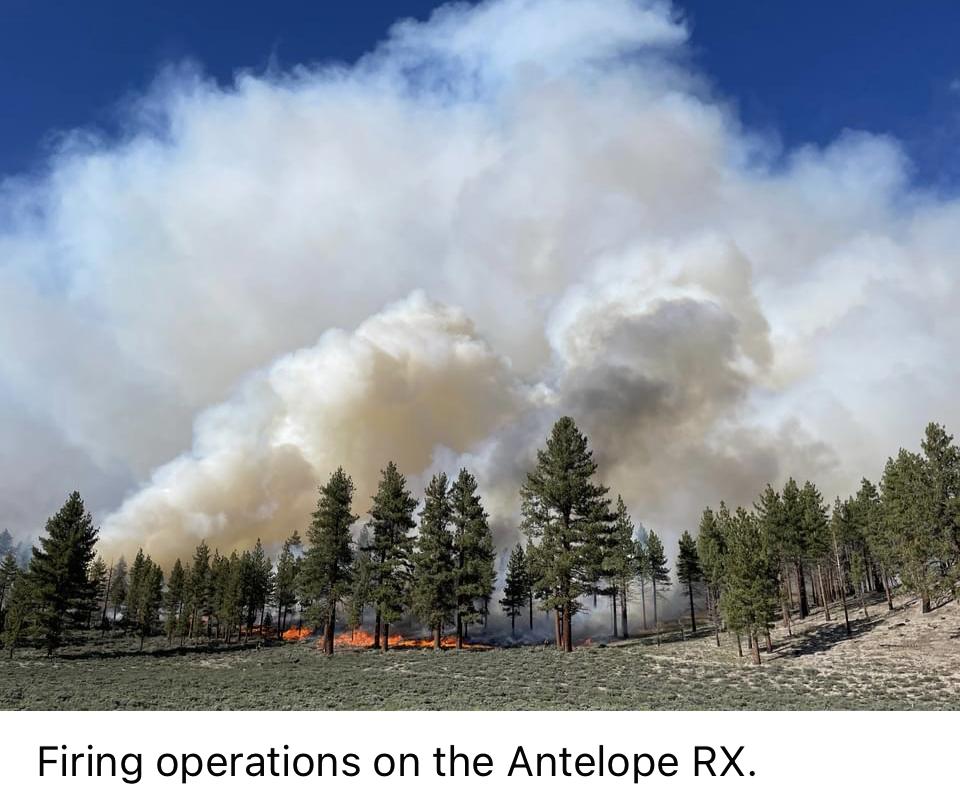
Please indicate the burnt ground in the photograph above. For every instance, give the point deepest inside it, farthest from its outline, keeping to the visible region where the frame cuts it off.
(896, 660)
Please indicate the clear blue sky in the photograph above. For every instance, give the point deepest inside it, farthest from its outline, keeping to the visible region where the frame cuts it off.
(804, 69)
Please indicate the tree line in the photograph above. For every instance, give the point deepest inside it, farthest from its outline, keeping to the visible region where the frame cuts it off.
(786, 555)
(792, 551)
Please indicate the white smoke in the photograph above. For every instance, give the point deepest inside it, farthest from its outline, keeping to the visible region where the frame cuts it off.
(509, 212)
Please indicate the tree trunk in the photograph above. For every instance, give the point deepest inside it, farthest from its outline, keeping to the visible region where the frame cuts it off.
(530, 605)
(739, 645)
(643, 604)
(769, 643)
(802, 590)
(756, 650)
(924, 602)
(823, 595)
(330, 628)
(558, 628)
(376, 630)
(623, 612)
(438, 636)
(459, 631)
(693, 616)
(385, 639)
(653, 592)
(613, 598)
(567, 628)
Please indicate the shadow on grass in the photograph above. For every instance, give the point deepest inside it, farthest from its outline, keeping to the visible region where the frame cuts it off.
(825, 637)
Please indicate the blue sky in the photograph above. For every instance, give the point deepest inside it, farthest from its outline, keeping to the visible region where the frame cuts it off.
(804, 71)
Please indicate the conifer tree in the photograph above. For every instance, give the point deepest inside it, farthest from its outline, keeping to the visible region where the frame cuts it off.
(658, 571)
(712, 549)
(909, 515)
(148, 597)
(199, 590)
(118, 587)
(621, 562)
(19, 608)
(564, 510)
(9, 572)
(689, 572)
(287, 579)
(750, 581)
(59, 569)
(173, 600)
(139, 573)
(771, 518)
(816, 538)
(516, 586)
(327, 575)
(642, 561)
(6, 543)
(98, 577)
(474, 555)
(434, 596)
(391, 519)
(793, 542)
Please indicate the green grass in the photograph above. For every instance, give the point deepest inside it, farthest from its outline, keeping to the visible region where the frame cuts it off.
(112, 674)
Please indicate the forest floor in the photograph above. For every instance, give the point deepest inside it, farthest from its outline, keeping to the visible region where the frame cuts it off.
(894, 660)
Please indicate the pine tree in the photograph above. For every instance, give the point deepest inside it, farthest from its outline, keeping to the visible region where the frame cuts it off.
(391, 519)
(434, 596)
(148, 597)
(908, 510)
(516, 587)
(792, 535)
(712, 549)
(658, 571)
(6, 544)
(173, 600)
(689, 572)
(327, 575)
(9, 572)
(816, 539)
(564, 510)
(750, 592)
(642, 561)
(139, 574)
(361, 594)
(118, 588)
(20, 603)
(771, 517)
(621, 563)
(59, 569)
(98, 578)
(474, 555)
(287, 579)
(199, 590)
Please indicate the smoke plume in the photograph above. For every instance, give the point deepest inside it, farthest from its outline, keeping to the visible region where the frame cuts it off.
(509, 212)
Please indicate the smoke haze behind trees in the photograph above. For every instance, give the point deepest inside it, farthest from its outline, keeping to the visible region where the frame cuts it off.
(505, 214)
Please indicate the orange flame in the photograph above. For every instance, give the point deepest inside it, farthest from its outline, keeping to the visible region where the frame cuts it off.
(297, 633)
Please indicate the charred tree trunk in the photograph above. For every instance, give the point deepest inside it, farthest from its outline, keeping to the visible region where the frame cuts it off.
(693, 615)
(385, 639)
(802, 590)
(376, 630)
(438, 637)
(530, 609)
(567, 628)
(459, 631)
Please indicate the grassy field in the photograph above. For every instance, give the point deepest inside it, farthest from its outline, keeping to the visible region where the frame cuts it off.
(895, 661)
